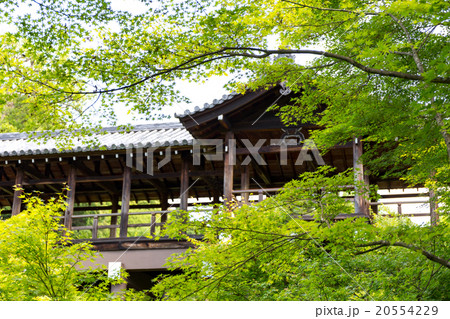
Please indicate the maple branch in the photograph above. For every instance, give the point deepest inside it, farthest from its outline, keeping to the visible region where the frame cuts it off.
(386, 243)
(302, 5)
(259, 53)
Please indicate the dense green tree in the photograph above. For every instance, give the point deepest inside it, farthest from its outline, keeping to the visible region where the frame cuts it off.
(382, 68)
(26, 106)
(266, 252)
(39, 261)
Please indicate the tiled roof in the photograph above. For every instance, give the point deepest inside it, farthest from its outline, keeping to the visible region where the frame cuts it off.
(206, 106)
(147, 135)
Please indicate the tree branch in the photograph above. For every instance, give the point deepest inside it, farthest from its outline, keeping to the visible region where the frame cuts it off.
(386, 243)
(415, 55)
(229, 52)
(329, 9)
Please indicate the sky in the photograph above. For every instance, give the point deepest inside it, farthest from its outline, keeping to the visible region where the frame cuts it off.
(198, 94)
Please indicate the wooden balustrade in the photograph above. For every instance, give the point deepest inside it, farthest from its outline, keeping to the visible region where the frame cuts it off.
(155, 220)
(400, 207)
(152, 224)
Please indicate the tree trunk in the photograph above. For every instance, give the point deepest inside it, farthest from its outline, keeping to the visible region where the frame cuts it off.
(444, 133)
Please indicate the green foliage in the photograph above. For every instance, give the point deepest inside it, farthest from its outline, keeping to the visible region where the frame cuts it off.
(39, 260)
(29, 105)
(268, 252)
(382, 68)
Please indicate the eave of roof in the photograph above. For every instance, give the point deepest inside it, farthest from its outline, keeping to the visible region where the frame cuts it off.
(110, 138)
(207, 106)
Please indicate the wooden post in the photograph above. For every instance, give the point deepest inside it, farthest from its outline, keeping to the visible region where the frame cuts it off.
(163, 200)
(152, 223)
(361, 203)
(184, 187)
(17, 201)
(260, 195)
(228, 166)
(71, 184)
(125, 207)
(95, 228)
(114, 210)
(245, 182)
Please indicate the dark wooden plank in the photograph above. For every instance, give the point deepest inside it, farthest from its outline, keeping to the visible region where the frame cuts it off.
(71, 184)
(126, 192)
(228, 169)
(17, 201)
(94, 179)
(184, 181)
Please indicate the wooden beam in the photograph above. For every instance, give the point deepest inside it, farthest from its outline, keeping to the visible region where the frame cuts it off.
(94, 179)
(125, 207)
(108, 186)
(228, 106)
(228, 168)
(223, 120)
(71, 184)
(260, 171)
(17, 201)
(36, 174)
(277, 149)
(184, 181)
(361, 203)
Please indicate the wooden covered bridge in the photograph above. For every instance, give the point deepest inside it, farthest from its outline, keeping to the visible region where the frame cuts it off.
(125, 186)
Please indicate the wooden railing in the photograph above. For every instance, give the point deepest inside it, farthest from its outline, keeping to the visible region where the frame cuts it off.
(400, 204)
(155, 220)
(259, 191)
(150, 227)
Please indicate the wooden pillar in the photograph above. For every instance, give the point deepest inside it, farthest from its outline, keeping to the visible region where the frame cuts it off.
(163, 200)
(17, 201)
(114, 210)
(71, 184)
(228, 166)
(125, 206)
(184, 178)
(245, 182)
(361, 203)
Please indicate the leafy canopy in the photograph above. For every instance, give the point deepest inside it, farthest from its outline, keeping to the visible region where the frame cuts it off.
(38, 262)
(268, 252)
(381, 68)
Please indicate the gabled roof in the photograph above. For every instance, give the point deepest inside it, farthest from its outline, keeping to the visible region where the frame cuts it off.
(206, 106)
(110, 138)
